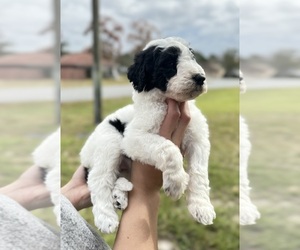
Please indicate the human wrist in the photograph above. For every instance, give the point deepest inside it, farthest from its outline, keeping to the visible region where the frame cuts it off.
(79, 197)
(146, 179)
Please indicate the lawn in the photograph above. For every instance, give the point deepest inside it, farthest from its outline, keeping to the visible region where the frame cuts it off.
(273, 117)
(22, 129)
(221, 107)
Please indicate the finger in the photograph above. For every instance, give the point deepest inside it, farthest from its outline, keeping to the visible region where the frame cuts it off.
(170, 122)
(183, 122)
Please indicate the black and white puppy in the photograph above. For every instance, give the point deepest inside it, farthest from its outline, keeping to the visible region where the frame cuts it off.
(166, 68)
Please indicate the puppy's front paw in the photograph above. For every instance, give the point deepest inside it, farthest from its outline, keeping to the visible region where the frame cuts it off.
(120, 193)
(248, 213)
(107, 224)
(204, 214)
(175, 183)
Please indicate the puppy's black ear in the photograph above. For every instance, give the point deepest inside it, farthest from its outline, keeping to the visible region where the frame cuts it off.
(141, 72)
(166, 67)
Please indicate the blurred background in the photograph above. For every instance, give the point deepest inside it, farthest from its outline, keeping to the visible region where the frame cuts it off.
(270, 61)
(124, 28)
(29, 83)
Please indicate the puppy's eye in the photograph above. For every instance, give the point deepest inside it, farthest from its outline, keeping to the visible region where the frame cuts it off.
(192, 52)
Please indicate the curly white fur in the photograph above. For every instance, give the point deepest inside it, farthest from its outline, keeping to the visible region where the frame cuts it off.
(248, 211)
(106, 147)
(47, 156)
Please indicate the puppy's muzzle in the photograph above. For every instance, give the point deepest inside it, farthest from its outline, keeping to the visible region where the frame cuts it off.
(198, 79)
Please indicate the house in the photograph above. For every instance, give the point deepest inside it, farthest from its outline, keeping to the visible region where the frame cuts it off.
(34, 65)
(79, 66)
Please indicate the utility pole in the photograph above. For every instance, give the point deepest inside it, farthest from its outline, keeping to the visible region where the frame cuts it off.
(96, 73)
(56, 51)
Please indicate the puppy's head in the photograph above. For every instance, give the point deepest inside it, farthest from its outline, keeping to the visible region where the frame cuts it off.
(168, 65)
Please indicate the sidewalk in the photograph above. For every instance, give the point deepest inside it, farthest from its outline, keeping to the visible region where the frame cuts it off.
(47, 94)
(80, 94)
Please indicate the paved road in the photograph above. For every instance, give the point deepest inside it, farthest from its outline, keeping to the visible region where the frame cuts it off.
(30, 94)
(36, 94)
(86, 93)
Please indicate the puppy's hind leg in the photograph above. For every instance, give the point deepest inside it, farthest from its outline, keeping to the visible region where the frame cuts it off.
(101, 181)
(199, 204)
(197, 147)
(248, 211)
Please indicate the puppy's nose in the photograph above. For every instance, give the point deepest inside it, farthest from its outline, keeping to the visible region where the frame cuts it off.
(199, 79)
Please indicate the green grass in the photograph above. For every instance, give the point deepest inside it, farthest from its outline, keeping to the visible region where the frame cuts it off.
(221, 107)
(273, 117)
(22, 128)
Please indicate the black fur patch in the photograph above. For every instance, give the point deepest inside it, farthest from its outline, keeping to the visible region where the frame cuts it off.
(153, 68)
(86, 173)
(43, 173)
(120, 126)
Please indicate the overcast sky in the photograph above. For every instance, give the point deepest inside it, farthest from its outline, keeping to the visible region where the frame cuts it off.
(211, 26)
(269, 25)
(22, 20)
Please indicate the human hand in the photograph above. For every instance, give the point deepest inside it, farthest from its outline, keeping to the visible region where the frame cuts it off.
(176, 121)
(76, 190)
(29, 190)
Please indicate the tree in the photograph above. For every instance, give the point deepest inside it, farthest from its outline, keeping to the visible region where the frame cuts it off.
(142, 33)
(230, 62)
(63, 45)
(200, 58)
(3, 46)
(110, 38)
(285, 60)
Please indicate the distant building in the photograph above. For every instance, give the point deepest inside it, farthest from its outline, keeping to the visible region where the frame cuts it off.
(256, 68)
(35, 65)
(76, 66)
(79, 66)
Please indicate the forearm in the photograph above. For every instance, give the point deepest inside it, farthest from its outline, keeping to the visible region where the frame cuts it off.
(29, 190)
(31, 198)
(138, 226)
